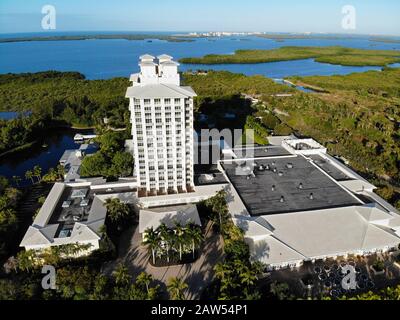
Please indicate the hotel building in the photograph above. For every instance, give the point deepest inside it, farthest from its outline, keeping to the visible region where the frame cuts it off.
(162, 127)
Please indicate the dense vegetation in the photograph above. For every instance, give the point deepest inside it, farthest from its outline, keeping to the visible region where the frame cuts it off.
(8, 216)
(236, 277)
(332, 55)
(58, 98)
(358, 119)
(169, 38)
(65, 96)
(111, 160)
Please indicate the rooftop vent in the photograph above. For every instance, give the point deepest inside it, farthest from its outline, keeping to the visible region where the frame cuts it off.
(280, 173)
(311, 197)
(273, 187)
(282, 199)
(289, 165)
(300, 185)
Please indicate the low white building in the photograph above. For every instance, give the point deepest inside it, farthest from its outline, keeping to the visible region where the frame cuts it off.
(296, 203)
(75, 213)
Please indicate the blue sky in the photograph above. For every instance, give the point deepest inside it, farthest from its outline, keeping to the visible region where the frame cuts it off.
(376, 17)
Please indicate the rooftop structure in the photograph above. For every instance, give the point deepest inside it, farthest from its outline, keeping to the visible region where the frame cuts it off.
(169, 215)
(297, 203)
(286, 184)
(69, 215)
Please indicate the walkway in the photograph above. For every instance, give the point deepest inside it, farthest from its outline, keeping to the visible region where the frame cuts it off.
(197, 275)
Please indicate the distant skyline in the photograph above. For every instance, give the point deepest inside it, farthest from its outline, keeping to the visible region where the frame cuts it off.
(372, 17)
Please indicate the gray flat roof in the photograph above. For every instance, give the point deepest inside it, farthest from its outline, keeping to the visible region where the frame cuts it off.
(259, 198)
(260, 151)
(329, 168)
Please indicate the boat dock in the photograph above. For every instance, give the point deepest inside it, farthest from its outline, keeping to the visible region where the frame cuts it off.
(83, 137)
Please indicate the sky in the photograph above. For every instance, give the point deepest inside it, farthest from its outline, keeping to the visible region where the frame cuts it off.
(372, 17)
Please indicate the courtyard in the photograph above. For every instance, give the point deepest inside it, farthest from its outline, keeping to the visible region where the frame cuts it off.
(198, 275)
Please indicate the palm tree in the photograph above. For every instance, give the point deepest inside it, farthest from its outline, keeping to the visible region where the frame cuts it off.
(176, 287)
(60, 171)
(166, 236)
(218, 205)
(180, 238)
(116, 210)
(17, 180)
(29, 175)
(37, 172)
(144, 278)
(248, 277)
(121, 275)
(152, 240)
(195, 236)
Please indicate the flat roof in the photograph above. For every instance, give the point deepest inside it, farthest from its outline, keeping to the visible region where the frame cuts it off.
(260, 151)
(257, 194)
(329, 168)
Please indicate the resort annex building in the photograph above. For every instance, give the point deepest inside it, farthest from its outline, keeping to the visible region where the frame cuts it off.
(297, 203)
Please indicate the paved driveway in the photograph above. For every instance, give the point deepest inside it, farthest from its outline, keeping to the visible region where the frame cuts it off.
(197, 275)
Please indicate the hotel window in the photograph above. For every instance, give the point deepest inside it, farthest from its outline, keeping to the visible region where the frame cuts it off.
(167, 101)
(177, 101)
(146, 101)
(148, 120)
(147, 108)
(158, 120)
(157, 101)
(136, 101)
(167, 108)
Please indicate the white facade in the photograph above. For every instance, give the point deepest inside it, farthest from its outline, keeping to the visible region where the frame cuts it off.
(162, 127)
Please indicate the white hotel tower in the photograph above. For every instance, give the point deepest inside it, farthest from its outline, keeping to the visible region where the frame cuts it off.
(162, 127)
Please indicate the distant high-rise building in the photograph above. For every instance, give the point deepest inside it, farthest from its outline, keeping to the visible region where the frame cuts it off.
(162, 127)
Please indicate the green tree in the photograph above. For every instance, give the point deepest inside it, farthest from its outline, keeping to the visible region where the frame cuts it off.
(121, 275)
(144, 279)
(152, 241)
(195, 236)
(122, 164)
(167, 236)
(29, 175)
(181, 238)
(117, 211)
(37, 172)
(176, 288)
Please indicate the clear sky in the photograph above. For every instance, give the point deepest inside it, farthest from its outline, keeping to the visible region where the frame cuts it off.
(373, 17)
